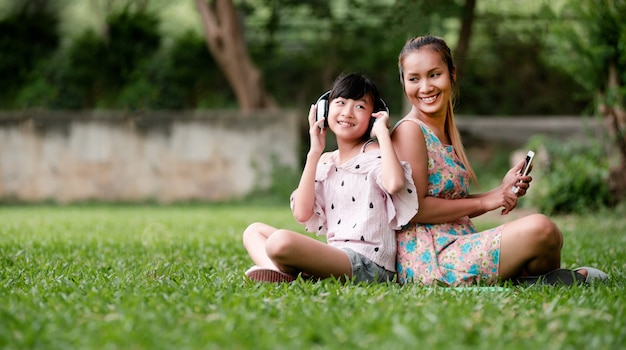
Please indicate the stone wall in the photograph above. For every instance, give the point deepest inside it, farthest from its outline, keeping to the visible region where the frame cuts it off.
(182, 156)
(117, 156)
(517, 130)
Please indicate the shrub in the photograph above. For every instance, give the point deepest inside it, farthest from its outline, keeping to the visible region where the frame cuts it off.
(132, 38)
(80, 77)
(283, 180)
(193, 78)
(93, 70)
(25, 39)
(70, 79)
(571, 177)
(183, 76)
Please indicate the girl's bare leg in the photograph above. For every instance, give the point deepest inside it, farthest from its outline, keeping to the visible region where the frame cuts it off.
(293, 252)
(530, 246)
(255, 239)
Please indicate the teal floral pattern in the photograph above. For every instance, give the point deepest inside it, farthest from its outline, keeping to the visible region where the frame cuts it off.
(451, 253)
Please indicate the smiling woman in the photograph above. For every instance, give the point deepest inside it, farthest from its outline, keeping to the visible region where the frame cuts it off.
(442, 245)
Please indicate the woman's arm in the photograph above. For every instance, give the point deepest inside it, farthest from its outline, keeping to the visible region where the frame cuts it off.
(505, 190)
(408, 141)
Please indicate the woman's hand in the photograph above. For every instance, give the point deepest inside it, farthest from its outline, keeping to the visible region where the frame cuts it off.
(521, 183)
(514, 185)
(499, 197)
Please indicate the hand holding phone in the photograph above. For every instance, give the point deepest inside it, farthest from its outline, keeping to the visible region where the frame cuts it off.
(526, 168)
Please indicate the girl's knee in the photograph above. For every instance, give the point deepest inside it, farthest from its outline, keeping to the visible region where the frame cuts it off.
(279, 244)
(252, 229)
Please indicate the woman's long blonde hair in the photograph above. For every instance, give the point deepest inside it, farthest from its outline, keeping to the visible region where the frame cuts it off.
(439, 45)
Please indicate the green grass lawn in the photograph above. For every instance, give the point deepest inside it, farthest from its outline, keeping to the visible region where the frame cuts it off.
(171, 277)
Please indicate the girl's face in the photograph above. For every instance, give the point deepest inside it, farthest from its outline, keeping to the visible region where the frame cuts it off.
(349, 118)
(427, 82)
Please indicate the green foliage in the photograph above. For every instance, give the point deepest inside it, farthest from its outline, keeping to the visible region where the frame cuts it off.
(128, 72)
(131, 39)
(300, 47)
(182, 76)
(26, 38)
(283, 181)
(592, 48)
(490, 160)
(506, 62)
(81, 77)
(569, 177)
(585, 37)
(149, 277)
(307, 44)
(92, 70)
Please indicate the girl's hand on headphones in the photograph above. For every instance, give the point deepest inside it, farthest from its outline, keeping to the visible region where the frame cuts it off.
(381, 125)
(317, 131)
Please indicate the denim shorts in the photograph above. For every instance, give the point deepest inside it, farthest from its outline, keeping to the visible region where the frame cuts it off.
(365, 270)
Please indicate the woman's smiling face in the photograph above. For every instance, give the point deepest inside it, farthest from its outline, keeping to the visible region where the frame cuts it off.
(427, 81)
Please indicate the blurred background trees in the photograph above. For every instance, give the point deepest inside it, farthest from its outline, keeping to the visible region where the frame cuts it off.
(518, 57)
(124, 54)
(588, 41)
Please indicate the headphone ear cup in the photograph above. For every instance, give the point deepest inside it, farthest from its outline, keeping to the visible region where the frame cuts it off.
(383, 106)
(370, 127)
(322, 111)
(326, 106)
(322, 108)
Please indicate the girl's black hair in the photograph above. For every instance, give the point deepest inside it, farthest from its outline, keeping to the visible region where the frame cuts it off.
(355, 86)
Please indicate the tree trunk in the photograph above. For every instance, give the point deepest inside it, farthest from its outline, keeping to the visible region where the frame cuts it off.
(224, 37)
(462, 46)
(615, 117)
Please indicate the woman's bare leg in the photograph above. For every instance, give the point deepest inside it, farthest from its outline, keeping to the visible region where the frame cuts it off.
(530, 246)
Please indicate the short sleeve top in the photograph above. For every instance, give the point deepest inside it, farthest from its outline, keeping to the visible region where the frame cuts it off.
(354, 211)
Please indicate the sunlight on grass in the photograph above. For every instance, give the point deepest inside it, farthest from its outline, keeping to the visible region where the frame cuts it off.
(150, 277)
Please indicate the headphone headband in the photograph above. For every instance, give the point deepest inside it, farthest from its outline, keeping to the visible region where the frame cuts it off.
(323, 112)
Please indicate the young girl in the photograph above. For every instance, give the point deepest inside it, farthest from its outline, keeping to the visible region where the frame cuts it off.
(356, 196)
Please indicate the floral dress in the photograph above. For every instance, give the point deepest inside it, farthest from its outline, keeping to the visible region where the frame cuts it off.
(451, 253)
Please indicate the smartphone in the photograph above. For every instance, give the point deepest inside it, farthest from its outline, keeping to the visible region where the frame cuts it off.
(526, 168)
(529, 159)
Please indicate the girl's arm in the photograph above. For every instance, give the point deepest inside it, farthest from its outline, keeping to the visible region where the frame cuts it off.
(304, 196)
(408, 141)
(392, 171)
